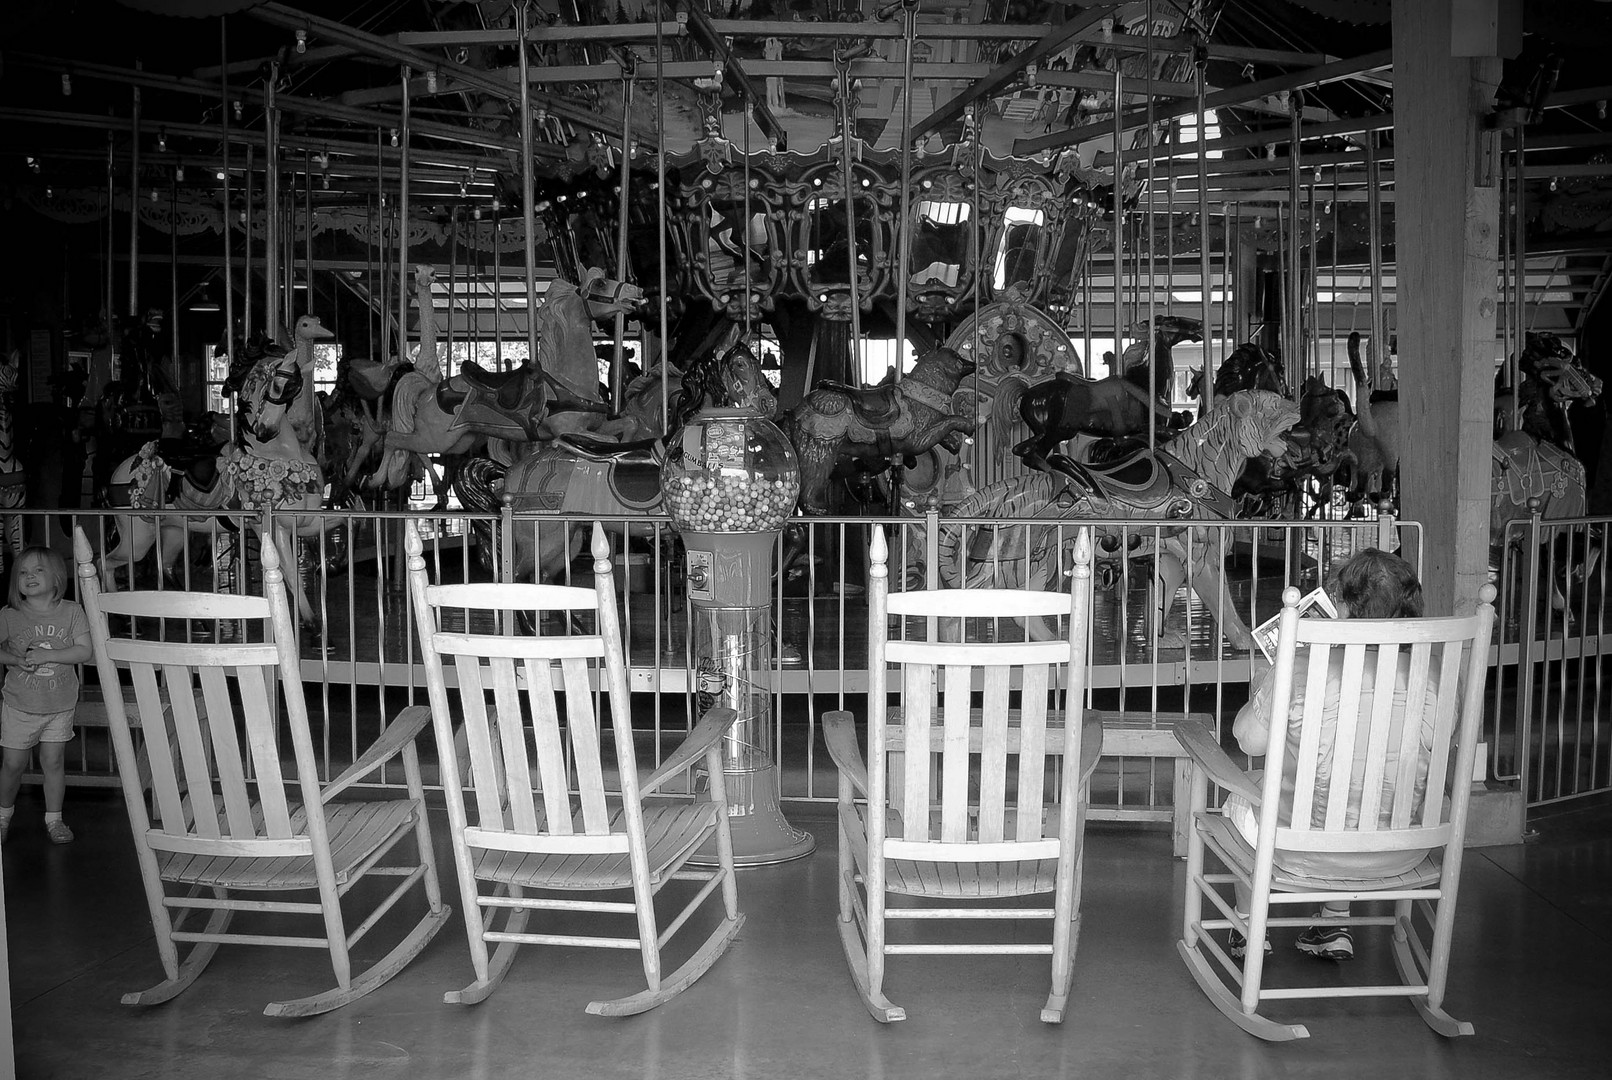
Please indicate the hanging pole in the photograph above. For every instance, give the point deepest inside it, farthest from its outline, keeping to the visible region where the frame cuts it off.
(271, 206)
(134, 205)
(1374, 224)
(498, 288)
(526, 182)
(843, 64)
(1119, 214)
(1519, 257)
(1151, 335)
(660, 209)
(618, 368)
(173, 275)
(307, 223)
(229, 263)
(403, 225)
(909, 18)
(1293, 347)
(246, 274)
(380, 297)
(1206, 294)
(111, 242)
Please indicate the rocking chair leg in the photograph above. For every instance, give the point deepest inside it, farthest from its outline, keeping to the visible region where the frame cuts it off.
(195, 961)
(497, 967)
(382, 970)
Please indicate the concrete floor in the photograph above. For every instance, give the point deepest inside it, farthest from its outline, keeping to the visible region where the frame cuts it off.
(1534, 951)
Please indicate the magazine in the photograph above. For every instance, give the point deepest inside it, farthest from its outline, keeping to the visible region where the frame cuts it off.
(1314, 605)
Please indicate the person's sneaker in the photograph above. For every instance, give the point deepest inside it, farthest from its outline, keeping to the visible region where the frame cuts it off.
(1327, 943)
(1237, 945)
(58, 832)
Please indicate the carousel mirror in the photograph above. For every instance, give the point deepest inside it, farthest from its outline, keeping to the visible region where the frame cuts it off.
(1018, 252)
(941, 257)
(733, 243)
(824, 250)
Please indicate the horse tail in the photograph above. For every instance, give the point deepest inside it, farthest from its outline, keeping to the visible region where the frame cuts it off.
(478, 483)
(1368, 422)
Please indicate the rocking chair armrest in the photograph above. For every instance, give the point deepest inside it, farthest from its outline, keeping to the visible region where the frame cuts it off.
(839, 732)
(712, 727)
(1205, 751)
(402, 732)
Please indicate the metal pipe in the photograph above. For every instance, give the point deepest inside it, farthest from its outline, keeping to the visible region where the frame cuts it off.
(660, 192)
(173, 276)
(1293, 347)
(909, 15)
(1119, 212)
(246, 280)
(1379, 347)
(1519, 257)
(847, 180)
(134, 207)
(111, 243)
(271, 206)
(1152, 332)
(403, 233)
(307, 222)
(618, 368)
(526, 185)
(380, 299)
(1206, 294)
(229, 262)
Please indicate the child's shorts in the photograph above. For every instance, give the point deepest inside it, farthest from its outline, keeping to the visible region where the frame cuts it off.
(24, 730)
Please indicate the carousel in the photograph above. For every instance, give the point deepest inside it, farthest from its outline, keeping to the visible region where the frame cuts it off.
(808, 306)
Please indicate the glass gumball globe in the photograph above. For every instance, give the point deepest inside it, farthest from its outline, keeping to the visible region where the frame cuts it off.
(729, 471)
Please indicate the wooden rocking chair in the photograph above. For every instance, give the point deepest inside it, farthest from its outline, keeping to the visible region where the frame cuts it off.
(1370, 783)
(231, 818)
(546, 828)
(974, 790)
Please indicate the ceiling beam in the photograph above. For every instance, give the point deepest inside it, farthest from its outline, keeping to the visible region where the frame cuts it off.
(276, 14)
(1054, 41)
(318, 55)
(612, 34)
(1271, 136)
(1134, 118)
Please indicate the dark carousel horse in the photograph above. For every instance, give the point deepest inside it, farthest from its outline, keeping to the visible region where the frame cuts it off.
(581, 474)
(136, 407)
(1068, 405)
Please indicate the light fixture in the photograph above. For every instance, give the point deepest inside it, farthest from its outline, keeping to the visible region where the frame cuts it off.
(394, 136)
(1600, 109)
(1553, 183)
(67, 85)
(219, 175)
(204, 301)
(431, 81)
(33, 163)
(179, 173)
(324, 181)
(302, 41)
(162, 140)
(238, 109)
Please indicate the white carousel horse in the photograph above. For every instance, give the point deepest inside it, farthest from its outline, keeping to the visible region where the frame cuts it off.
(147, 481)
(276, 462)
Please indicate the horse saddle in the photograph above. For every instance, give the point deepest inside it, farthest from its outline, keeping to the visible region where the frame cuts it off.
(634, 468)
(1148, 480)
(506, 404)
(877, 406)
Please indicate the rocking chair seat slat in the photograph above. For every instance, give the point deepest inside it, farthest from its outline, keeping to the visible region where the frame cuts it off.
(670, 833)
(357, 831)
(1221, 832)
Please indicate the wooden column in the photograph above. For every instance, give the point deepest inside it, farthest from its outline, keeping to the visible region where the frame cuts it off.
(1447, 242)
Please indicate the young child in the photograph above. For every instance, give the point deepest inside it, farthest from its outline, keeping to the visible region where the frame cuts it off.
(41, 637)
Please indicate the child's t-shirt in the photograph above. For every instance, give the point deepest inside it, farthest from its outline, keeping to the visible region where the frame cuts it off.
(49, 688)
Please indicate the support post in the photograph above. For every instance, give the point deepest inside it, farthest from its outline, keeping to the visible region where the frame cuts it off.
(1447, 249)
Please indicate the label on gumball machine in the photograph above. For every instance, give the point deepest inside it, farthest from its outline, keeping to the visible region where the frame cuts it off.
(724, 445)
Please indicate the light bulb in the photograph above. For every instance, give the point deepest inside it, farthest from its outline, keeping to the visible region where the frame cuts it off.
(302, 41)
(1553, 183)
(431, 82)
(394, 136)
(324, 181)
(67, 85)
(153, 194)
(179, 173)
(162, 139)
(33, 163)
(237, 105)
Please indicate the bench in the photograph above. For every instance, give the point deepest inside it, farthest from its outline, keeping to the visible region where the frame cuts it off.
(1137, 734)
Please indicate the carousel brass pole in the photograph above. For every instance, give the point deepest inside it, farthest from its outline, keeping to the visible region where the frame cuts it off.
(618, 369)
(134, 205)
(660, 211)
(1150, 335)
(1519, 258)
(403, 229)
(307, 223)
(111, 243)
(229, 268)
(246, 273)
(173, 275)
(1507, 323)
(909, 17)
(498, 288)
(369, 279)
(1228, 280)
(271, 207)
(1379, 346)
(1119, 211)
(526, 182)
(1205, 295)
(380, 296)
(846, 134)
(1293, 347)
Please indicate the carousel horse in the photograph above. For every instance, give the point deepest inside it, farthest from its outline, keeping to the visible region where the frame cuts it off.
(1192, 478)
(275, 462)
(138, 406)
(174, 475)
(582, 475)
(1249, 367)
(836, 425)
(1068, 404)
(555, 392)
(13, 480)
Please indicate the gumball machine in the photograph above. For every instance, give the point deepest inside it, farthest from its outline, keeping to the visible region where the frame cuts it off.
(729, 481)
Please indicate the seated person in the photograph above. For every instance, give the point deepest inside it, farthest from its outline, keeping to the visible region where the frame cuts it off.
(1371, 585)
